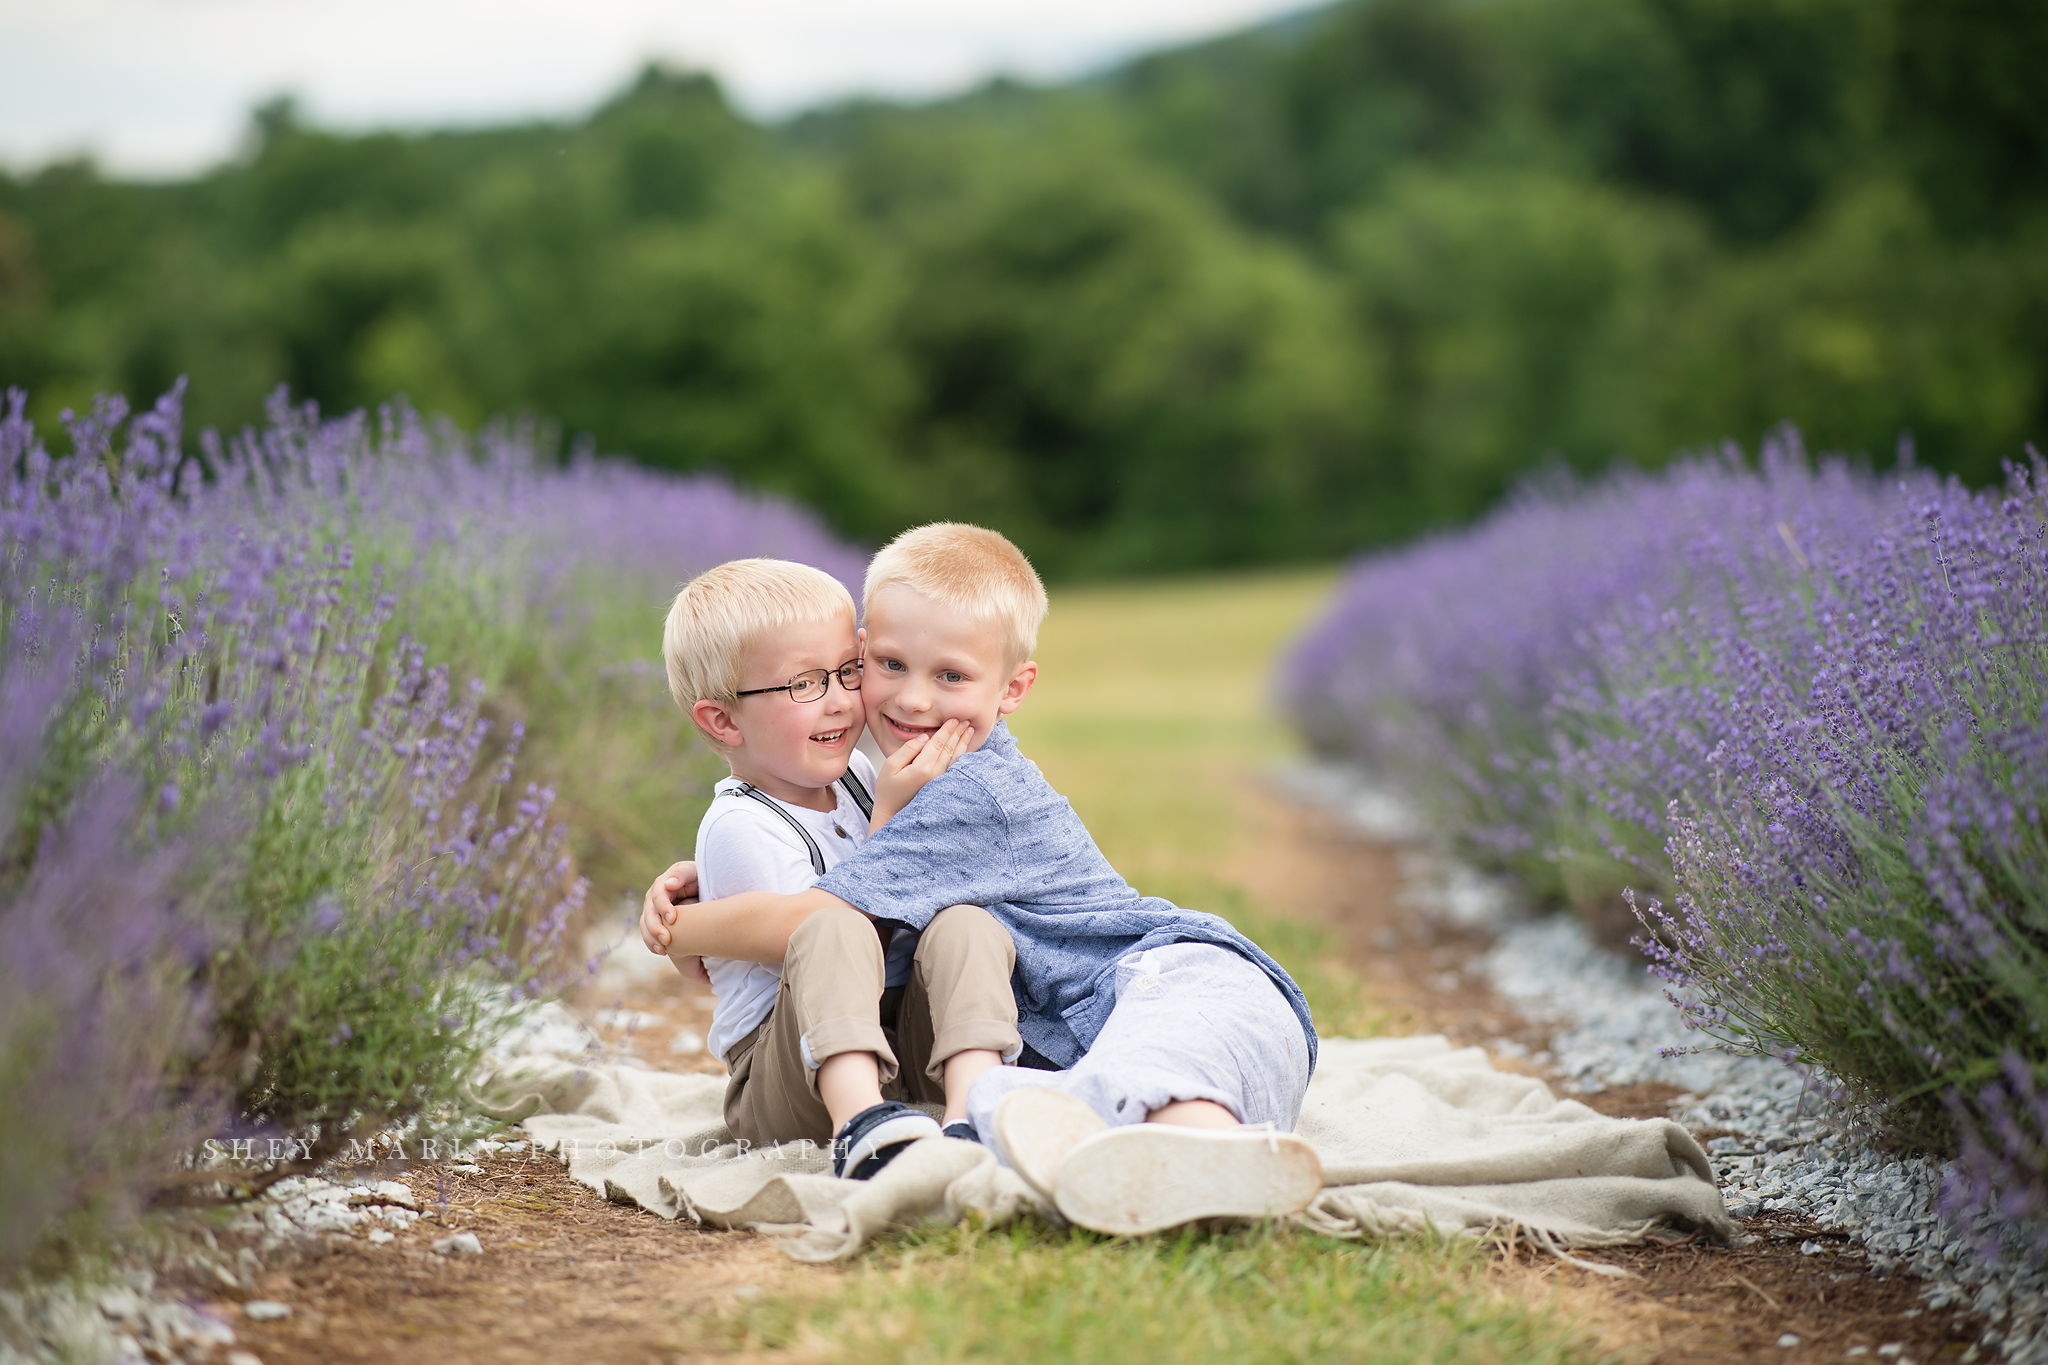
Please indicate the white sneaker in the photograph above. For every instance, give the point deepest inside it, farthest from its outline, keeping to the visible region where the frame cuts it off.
(1148, 1176)
(1037, 1127)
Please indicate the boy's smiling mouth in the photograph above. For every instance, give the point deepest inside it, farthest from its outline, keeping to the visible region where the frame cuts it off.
(908, 731)
(831, 737)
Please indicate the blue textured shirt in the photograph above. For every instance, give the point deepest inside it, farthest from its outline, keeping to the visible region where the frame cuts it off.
(991, 831)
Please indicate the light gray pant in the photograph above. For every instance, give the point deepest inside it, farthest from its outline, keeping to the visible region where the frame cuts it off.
(1192, 1022)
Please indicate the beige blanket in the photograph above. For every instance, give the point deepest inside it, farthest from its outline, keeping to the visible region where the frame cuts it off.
(1412, 1132)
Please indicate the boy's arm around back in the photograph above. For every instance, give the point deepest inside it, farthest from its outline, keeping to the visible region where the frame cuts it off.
(676, 886)
(756, 863)
(952, 850)
(753, 926)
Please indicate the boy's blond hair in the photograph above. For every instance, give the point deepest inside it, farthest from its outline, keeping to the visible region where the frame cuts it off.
(972, 570)
(721, 612)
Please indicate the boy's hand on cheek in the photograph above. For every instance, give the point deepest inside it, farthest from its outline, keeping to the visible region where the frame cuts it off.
(917, 762)
(941, 749)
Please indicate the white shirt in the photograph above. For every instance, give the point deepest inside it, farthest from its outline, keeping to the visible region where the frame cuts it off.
(742, 845)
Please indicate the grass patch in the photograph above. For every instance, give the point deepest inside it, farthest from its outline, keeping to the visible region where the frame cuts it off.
(1152, 714)
(1026, 1292)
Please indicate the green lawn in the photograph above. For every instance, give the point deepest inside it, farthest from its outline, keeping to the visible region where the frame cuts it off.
(1152, 700)
(1027, 1293)
(1150, 715)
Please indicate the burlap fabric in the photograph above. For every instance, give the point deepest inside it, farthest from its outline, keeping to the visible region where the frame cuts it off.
(1413, 1133)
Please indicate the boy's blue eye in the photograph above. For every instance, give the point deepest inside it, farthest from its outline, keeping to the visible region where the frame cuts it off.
(950, 676)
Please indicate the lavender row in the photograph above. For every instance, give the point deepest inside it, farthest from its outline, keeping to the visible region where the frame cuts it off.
(269, 860)
(1796, 715)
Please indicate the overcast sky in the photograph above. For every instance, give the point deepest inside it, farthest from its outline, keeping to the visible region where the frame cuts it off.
(162, 87)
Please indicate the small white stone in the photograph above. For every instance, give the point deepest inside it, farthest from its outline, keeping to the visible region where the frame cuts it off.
(244, 1358)
(120, 1303)
(1789, 1340)
(461, 1244)
(398, 1192)
(265, 1310)
(326, 1217)
(1858, 1351)
(1892, 1348)
(164, 1324)
(205, 1329)
(378, 1237)
(686, 1041)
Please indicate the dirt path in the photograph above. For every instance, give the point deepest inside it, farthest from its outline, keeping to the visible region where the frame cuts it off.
(565, 1275)
(1687, 1302)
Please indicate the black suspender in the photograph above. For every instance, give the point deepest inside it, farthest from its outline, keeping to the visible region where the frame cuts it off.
(859, 794)
(854, 789)
(817, 857)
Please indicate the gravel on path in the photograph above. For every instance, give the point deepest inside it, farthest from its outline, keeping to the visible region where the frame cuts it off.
(1778, 1144)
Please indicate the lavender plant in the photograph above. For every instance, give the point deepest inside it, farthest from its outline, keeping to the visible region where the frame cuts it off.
(96, 948)
(1489, 671)
(1866, 882)
(264, 851)
(94, 957)
(1804, 710)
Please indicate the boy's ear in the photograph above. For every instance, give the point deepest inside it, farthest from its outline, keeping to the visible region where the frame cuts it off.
(1020, 683)
(715, 719)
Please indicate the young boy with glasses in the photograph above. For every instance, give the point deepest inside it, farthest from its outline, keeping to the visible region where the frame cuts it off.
(1166, 1055)
(764, 657)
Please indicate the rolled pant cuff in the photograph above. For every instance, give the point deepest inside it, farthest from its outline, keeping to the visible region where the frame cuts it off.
(828, 1038)
(993, 1035)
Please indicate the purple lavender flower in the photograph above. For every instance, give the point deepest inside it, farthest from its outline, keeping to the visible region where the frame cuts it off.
(334, 858)
(1805, 709)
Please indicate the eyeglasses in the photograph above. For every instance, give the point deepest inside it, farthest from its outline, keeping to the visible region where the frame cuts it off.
(813, 686)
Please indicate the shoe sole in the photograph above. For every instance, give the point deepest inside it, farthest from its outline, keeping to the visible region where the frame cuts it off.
(1037, 1128)
(1153, 1176)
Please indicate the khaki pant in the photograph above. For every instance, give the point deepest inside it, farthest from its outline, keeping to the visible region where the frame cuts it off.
(832, 1001)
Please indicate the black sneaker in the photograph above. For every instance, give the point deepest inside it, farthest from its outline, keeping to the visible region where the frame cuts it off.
(876, 1136)
(962, 1130)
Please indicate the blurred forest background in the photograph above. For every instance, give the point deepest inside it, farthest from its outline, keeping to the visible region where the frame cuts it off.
(1312, 287)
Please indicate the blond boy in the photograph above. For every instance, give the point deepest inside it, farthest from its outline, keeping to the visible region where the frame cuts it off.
(1177, 1052)
(764, 657)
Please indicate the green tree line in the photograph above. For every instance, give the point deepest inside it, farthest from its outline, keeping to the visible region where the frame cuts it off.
(1312, 287)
